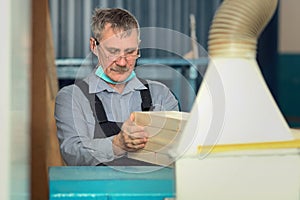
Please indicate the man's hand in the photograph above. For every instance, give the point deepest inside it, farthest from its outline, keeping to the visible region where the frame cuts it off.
(131, 138)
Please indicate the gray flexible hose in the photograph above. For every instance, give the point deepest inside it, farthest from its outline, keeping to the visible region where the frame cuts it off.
(237, 25)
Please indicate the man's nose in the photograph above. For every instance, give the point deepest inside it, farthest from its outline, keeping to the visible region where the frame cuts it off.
(121, 61)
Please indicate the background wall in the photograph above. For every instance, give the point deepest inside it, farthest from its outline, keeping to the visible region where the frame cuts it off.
(289, 27)
(71, 20)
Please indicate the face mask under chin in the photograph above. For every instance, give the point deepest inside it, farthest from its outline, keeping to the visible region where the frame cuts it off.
(100, 73)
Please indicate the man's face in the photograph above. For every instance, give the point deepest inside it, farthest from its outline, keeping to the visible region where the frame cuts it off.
(117, 53)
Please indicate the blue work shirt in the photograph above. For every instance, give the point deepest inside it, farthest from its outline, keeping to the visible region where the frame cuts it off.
(76, 123)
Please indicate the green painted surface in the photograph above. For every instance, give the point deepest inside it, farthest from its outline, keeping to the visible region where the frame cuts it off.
(137, 183)
(288, 77)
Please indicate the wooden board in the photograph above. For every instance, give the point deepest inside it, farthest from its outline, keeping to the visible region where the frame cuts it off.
(164, 128)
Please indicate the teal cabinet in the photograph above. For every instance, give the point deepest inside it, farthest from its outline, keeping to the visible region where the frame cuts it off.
(111, 183)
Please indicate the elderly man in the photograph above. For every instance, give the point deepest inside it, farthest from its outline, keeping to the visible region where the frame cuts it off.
(93, 116)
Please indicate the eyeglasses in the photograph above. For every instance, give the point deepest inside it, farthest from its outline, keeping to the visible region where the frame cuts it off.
(129, 57)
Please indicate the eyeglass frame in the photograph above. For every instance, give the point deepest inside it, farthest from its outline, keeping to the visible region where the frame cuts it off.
(116, 58)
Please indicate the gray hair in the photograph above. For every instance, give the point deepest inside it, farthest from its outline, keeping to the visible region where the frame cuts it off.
(120, 20)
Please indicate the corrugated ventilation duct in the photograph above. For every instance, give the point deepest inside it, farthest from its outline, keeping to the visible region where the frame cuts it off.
(237, 26)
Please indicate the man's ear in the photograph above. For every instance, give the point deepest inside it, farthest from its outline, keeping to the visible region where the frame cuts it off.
(93, 45)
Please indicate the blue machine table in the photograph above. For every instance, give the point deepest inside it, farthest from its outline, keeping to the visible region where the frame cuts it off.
(109, 183)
